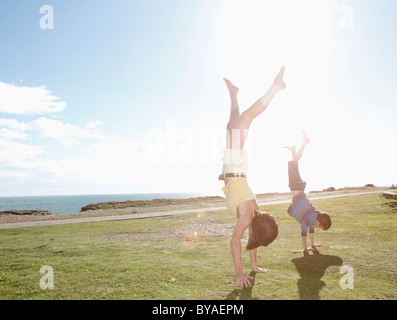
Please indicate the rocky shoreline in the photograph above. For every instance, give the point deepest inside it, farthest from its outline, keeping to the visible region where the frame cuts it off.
(128, 207)
(152, 203)
(156, 205)
(27, 212)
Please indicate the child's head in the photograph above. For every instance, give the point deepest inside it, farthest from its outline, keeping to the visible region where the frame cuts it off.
(264, 229)
(324, 220)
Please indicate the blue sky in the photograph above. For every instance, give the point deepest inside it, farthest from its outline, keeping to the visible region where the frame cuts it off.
(128, 97)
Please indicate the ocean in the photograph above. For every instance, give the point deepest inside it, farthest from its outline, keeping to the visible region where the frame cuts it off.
(71, 204)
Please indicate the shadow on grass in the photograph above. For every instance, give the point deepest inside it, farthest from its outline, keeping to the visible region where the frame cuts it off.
(392, 205)
(244, 293)
(311, 269)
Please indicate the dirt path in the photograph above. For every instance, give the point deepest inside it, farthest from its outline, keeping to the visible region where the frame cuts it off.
(41, 223)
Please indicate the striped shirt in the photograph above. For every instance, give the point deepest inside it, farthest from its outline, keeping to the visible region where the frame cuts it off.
(302, 210)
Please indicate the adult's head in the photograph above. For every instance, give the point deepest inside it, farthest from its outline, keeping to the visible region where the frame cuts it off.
(264, 229)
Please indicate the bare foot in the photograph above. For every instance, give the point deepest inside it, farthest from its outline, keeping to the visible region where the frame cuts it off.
(306, 140)
(279, 81)
(232, 89)
(292, 149)
(260, 270)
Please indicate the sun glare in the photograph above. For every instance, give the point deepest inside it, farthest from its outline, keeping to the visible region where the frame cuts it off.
(254, 40)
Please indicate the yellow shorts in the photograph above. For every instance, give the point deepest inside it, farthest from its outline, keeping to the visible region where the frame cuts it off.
(237, 191)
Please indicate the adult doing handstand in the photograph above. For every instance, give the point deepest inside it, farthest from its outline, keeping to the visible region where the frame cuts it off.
(263, 228)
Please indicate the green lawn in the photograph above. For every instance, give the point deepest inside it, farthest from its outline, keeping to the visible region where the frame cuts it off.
(189, 257)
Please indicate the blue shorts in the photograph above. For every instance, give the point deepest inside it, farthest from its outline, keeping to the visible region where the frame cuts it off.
(295, 181)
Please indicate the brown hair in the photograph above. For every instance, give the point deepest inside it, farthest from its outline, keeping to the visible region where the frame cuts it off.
(264, 229)
(324, 219)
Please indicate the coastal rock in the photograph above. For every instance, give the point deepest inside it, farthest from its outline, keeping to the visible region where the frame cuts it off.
(151, 203)
(26, 212)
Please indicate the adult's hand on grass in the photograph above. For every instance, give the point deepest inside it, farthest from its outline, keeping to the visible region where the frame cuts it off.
(244, 280)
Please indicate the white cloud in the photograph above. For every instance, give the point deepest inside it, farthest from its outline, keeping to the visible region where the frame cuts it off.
(110, 161)
(28, 100)
(66, 133)
(38, 162)
(93, 124)
(12, 129)
(12, 134)
(105, 160)
(17, 154)
(13, 124)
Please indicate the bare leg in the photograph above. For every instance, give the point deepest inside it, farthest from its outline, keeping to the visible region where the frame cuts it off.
(234, 109)
(261, 105)
(299, 154)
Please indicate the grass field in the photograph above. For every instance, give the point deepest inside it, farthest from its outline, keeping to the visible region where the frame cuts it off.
(189, 257)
